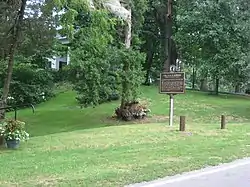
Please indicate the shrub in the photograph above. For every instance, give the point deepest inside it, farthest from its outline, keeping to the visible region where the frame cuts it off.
(94, 83)
(60, 75)
(29, 85)
(62, 87)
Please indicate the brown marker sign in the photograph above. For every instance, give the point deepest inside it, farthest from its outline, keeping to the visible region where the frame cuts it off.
(172, 83)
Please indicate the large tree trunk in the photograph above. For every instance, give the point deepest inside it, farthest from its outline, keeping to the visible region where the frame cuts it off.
(217, 81)
(193, 78)
(162, 24)
(149, 60)
(237, 88)
(128, 32)
(13, 45)
(128, 35)
(163, 42)
(204, 81)
(168, 36)
(203, 85)
(115, 7)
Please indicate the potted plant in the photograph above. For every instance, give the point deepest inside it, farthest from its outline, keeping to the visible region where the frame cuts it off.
(14, 132)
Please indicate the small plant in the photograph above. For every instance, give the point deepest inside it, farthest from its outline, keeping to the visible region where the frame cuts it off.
(13, 130)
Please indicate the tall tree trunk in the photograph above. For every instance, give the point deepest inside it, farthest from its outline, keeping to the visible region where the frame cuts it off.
(193, 78)
(128, 35)
(217, 81)
(204, 86)
(204, 81)
(128, 32)
(14, 41)
(237, 88)
(162, 25)
(149, 60)
(168, 35)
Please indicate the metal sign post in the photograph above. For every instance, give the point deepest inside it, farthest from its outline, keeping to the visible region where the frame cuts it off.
(172, 81)
(171, 111)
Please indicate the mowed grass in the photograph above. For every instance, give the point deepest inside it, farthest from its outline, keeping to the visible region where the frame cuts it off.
(81, 147)
(62, 114)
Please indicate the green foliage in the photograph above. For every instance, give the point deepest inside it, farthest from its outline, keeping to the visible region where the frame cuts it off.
(100, 66)
(94, 81)
(97, 79)
(61, 75)
(29, 85)
(212, 37)
(132, 74)
(71, 11)
(91, 70)
(139, 8)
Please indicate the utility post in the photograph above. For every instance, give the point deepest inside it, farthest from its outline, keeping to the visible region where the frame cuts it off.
(169, 32)
(169, 21)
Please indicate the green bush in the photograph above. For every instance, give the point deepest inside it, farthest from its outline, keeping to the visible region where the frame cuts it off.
(29, 85)
(94, 84)
(60, 75)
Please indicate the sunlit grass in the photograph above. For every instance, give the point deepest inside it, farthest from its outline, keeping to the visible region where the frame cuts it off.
(81, 147)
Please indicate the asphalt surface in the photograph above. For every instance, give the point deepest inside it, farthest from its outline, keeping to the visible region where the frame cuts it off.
(235, 174)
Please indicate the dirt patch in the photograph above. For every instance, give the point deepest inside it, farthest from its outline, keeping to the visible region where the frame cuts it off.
(236, 119)
(169, 160)
(230, 118)
(150, 119)
(213, 133)
(44, 181)
(215, 158)
(8, 184)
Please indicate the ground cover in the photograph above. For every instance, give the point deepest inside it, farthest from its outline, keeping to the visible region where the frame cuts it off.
(83, 147)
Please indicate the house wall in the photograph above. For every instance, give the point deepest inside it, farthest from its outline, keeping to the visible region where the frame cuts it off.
(55, 60)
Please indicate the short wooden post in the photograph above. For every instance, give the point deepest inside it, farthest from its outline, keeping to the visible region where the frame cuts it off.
(223, 122)
(182, 123)
(1, 141)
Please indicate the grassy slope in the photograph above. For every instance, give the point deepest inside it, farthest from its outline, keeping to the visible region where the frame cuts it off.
(114, 156)
(62, 113)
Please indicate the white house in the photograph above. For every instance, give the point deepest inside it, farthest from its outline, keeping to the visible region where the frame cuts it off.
(57, 62)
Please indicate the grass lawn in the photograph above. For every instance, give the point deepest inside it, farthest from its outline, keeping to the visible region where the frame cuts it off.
(81, 147)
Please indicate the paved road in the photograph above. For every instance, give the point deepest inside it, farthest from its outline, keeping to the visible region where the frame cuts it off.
(235, 174)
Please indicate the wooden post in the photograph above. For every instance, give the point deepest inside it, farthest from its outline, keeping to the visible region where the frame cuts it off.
(182, 123)
(1, 141)
(223, 122)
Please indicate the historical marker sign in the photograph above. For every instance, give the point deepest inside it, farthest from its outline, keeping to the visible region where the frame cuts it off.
(172, 82)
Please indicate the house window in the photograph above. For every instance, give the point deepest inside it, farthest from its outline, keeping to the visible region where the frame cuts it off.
(62, 64)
